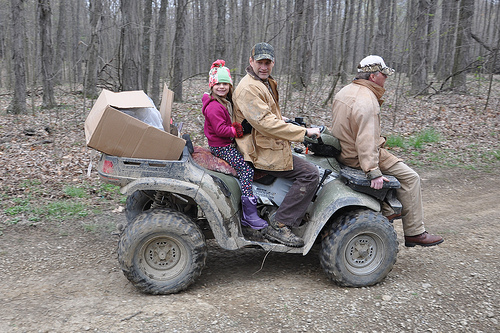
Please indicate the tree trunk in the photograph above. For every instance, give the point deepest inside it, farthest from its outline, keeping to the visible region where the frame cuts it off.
(146, 42)
(18, 103)
(349, 11)
(60, 56)
(131, 45)
(418, 52)
(220, 33)
(307, 55)
(91, 90)
(158, 52)
(298, 47)
(45, 23)
(178, 67)
(446, 50)
(76, 29)
(462, 45)
(245, 33)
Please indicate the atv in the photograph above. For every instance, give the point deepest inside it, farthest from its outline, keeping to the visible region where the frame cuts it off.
(174, 206)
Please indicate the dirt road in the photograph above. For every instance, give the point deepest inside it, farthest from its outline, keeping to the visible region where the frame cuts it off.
(59, 279)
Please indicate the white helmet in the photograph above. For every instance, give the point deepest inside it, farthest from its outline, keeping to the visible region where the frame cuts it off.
(374, 63)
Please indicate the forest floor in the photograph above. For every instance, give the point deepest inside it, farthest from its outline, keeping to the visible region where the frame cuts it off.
(58, 236)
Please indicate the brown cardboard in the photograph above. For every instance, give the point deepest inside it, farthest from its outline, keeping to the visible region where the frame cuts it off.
(166, 107)
(116, 133)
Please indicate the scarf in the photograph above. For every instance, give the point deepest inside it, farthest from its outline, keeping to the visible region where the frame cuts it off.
(375, 88)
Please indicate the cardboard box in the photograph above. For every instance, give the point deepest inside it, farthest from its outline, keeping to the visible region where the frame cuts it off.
(116, 133)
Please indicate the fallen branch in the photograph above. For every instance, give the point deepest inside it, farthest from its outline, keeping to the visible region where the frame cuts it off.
(131, 316)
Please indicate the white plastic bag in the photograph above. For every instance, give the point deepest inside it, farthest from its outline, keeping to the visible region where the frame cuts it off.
(150, 116)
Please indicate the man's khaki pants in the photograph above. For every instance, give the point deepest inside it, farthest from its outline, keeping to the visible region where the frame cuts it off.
(410, 196)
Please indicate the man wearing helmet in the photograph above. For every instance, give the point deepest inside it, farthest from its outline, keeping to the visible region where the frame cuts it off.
(356, 123)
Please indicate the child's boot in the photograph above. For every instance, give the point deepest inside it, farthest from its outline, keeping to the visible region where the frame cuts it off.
(250, 216)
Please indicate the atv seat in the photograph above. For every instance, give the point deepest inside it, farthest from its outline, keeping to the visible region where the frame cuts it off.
(203, 157)
(357, 180)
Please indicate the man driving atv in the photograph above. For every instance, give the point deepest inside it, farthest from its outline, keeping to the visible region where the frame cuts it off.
(267, 146)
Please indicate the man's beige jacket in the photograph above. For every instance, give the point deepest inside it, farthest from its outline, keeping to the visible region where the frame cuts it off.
(268, 146)
(356, 123)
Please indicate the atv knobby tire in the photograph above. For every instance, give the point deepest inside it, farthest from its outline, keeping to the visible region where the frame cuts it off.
(360, 250)
(162, 251)
(137, 203)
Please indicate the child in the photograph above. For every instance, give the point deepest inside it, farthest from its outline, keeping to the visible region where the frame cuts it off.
(220, 132)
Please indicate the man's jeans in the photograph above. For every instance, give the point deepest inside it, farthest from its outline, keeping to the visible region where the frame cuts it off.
(305, 178)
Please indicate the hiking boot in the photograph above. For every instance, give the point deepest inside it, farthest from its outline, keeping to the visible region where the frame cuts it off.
(424, 239)
(284, 235)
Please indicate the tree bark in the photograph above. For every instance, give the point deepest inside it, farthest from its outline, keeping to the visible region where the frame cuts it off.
(444, 63)
(418, 51)
(60, 52)
(349, 12)
(298, 47)
(245, 32)
(131, 45)
(178, 67)
(95, 8)
(158, 52)
(45, 23)
(146, 43)
(220, 33)
(18, 103)
(462, 45)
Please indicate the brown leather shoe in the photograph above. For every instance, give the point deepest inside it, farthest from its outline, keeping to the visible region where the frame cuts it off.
(394, 216)
(424, 239)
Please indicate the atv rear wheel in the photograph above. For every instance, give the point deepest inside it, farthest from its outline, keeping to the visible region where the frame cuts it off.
(137, 203)
(162, 252)
(359, 251)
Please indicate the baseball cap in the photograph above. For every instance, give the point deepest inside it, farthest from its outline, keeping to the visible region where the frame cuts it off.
(374, 63)
(262, 51)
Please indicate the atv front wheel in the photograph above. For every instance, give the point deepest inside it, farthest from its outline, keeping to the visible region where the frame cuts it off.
(359, 251)
(162, 252)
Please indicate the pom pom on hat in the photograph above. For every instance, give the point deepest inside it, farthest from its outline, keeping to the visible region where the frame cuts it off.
(219, 74)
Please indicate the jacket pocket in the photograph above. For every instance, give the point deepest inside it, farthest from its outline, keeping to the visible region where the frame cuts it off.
(269, 143)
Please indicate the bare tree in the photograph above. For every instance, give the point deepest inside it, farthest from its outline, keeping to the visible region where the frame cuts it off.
(444, 63)
(245, 32)
(45, 23)
(349, 11)
(18, 103)
(462, 45)
(60, 51)
(178, 66)
(297, 45)
(131, 45)
(146, 42)
(77, 46)
(220, 33)
(158, 52)
(418, 16)
(95, 7)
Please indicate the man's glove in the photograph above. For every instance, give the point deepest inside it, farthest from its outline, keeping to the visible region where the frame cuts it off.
(247, 128)
(239, 129)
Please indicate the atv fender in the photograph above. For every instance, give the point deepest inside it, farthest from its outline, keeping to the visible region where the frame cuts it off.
(218, 219)
(332, 197)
